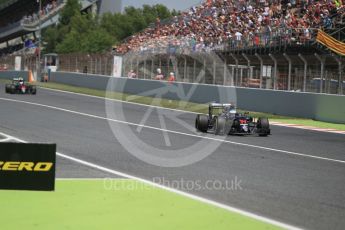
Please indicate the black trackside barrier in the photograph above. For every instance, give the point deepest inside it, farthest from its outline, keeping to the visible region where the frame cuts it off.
(27, 166)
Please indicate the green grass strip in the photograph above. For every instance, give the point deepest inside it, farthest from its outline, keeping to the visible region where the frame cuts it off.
(114, 204)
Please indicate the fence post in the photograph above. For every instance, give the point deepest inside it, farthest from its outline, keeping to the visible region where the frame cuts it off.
(100, 65)
(168, 65)
(248, 64)
(106, 67)
(232, 74)
(185, 69)
(174, 62)
(340, 83)
(152, 70)
(145, 68)
(275, 71)
(91, 64)
(123, 72)
(76, 64)
(204, 71)
(322, 61)
(289, 73)
(224, 73)
(261, 68)
(214, 72)
(96, 66)
(305, 71)
(137, 68)
(194, 71)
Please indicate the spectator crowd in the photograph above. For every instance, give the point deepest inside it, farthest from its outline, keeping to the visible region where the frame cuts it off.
(46, 9)
(238, 23)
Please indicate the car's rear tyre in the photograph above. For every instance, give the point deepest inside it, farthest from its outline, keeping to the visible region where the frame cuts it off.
(219, 126)
(263, 126)
(12, 89)
(201, 123)
(7, 88)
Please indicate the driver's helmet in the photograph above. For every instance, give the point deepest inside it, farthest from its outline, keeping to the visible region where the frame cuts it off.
(21, 81)
(226, 109)
(232, 109)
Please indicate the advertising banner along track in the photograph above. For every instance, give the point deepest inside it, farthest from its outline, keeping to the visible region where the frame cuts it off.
(27, 166)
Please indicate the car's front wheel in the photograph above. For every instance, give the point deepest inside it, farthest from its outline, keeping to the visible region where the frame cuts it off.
(219, 126)
(263, 126)
(33, 90)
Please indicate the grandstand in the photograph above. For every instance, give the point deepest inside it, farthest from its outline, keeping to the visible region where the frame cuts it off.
(264, 44)
(279, 35)
(241, 24)
(19, 19)
(14, 27)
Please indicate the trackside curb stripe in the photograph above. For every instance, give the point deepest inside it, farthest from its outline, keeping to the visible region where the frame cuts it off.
(312, 128)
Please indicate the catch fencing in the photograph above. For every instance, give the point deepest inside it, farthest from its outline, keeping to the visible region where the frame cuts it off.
(279, 71)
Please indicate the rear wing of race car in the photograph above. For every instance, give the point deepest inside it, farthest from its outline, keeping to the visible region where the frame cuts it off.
(16, 79)
(217, 106)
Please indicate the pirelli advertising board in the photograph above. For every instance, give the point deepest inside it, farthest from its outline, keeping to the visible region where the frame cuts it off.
(27, 166)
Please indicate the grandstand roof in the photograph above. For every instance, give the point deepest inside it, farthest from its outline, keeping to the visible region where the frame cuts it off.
(10, 17)
(6, 3)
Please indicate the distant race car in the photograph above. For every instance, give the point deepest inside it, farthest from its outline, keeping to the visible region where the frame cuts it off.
(223, 119)
(19, 86)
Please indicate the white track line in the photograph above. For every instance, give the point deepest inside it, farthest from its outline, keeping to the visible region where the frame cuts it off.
(177, 132)
(312, 128)
(120, 101)
(185, 194)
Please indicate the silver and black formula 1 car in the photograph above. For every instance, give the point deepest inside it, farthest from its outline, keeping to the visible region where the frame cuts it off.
(19, 86)
(223, 119)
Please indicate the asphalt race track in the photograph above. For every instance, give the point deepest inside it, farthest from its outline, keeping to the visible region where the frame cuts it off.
(294, 176)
